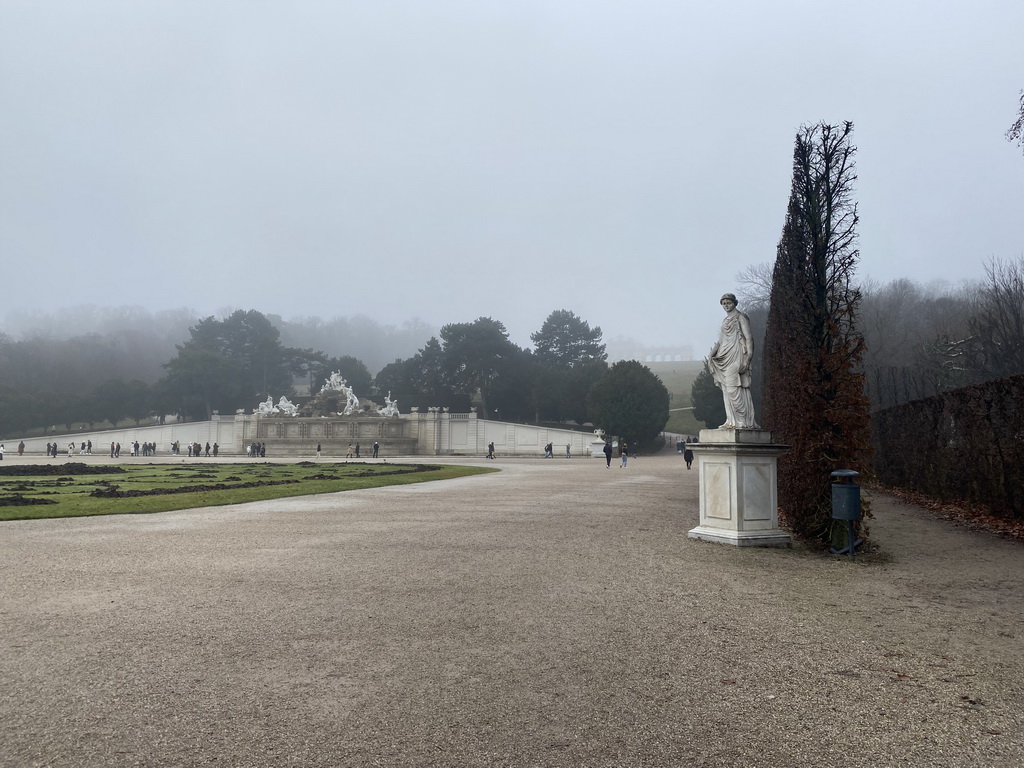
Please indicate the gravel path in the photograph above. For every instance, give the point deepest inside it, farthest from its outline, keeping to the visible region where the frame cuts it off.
(552, 614)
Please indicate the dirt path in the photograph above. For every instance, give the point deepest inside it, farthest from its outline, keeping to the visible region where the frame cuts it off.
(554, 614)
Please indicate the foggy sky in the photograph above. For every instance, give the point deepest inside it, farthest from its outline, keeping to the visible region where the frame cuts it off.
(448, 160)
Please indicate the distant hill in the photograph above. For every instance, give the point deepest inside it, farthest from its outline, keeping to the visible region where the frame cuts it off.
(678, 377)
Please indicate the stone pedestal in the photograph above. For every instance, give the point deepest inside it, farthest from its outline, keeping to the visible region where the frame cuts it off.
(739, 488)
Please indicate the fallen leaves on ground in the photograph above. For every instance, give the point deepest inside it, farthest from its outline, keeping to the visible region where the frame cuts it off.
(967, 514)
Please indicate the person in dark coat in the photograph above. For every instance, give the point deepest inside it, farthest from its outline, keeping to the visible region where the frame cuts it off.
(608, 454)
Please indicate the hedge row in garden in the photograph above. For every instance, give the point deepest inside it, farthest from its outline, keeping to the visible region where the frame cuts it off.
(965, 444)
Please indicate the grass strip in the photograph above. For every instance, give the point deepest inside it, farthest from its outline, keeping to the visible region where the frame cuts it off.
(33, 492)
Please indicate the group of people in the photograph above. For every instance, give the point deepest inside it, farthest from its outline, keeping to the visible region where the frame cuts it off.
(21, 449)
(73, 448)
(354, 451)
(549, 451)
(256, 450)
(623, 453)
(137, 449)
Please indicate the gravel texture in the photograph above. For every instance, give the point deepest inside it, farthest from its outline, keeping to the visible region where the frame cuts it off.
(552, 614)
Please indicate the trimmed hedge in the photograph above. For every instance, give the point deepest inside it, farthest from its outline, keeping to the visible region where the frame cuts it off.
(965, 444)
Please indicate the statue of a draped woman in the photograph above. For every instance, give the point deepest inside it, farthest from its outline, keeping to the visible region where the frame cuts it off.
(730, 361)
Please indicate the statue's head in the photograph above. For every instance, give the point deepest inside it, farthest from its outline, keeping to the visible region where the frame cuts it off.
(728, 299)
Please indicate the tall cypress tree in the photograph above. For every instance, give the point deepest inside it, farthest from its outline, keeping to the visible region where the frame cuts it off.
(814, 397)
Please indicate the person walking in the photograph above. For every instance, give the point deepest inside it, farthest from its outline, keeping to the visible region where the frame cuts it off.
(318, 450)
(623, 454)
(376, 448)
(490, 450)
(568, 450)
(357, 450)
(607, 455)
(348, 455)
(21, 448)
(687, 456)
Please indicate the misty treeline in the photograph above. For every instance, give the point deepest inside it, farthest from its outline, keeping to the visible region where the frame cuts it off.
(922, 338)
(93, 364)
(563, 378)
(130, 364)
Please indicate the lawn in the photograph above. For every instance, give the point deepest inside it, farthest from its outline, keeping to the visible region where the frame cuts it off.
(30, 492)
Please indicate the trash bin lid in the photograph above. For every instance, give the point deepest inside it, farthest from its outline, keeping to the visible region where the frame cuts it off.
(845, 473)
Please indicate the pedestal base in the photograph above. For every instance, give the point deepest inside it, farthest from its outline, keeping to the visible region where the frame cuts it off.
(738, 488)
(776, 538)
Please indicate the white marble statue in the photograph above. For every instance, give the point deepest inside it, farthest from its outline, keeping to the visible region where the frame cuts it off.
(730, 363)
(266, 408)
(390, 406)
(334, 383)
(351, 402)
(285, 406)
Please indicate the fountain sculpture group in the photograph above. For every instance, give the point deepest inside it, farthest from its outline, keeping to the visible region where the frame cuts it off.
(335, 387)
(334, 418)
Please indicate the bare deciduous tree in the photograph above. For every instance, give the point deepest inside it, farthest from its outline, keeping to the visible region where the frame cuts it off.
(1016, 132)
(754, 286)
(914, 338)
(997, 323)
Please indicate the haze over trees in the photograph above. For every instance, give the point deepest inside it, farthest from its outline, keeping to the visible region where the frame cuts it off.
(228, 363)
(924, 339)
(920, 339)
(237, 361)
(88, 364)
(359, 337)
